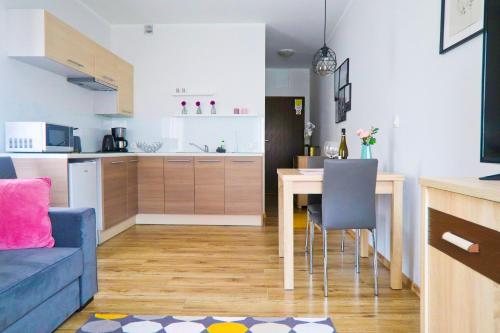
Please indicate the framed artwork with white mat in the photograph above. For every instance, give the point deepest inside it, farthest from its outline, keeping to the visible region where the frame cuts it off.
(461, 21)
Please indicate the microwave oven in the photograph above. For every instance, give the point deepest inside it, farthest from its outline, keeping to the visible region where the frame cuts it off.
(38, 137)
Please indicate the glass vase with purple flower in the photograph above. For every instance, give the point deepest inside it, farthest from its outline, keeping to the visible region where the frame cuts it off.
(198, 107)
(184, 109)
(213, 110)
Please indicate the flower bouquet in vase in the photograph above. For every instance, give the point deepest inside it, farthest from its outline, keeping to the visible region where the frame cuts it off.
(367, 140)
(184, 109)
(198, 107)
(213, 110)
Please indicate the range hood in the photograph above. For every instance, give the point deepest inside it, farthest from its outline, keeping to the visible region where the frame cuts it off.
(91, 83)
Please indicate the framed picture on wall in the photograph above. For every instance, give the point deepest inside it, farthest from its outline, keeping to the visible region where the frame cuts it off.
(461, 21)
(340, 114)
(344, 73)
(346, 92)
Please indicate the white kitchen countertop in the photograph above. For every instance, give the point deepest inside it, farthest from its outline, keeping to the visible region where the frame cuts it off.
(130, 154)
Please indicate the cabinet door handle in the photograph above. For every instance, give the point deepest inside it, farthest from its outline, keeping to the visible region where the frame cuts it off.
(209, 161)
(461, 242)
(105, 77)
(133, 161)
(117, 162)
(243, 161)
(179, 161)
(76, 63)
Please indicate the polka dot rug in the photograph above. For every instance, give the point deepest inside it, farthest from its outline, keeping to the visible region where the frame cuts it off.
(114, 323)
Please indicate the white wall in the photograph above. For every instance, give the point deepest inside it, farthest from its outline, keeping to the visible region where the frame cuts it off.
(290, 82)
(225, 59)
(396, 69)
(28, 93)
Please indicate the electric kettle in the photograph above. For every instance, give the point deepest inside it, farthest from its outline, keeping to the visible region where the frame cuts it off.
(108, 144)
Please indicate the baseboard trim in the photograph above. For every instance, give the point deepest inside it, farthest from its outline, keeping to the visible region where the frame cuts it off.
(105, 235)
(222, 220)
(407, 282)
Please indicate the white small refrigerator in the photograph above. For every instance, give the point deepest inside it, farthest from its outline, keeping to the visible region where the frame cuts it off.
(84, 189)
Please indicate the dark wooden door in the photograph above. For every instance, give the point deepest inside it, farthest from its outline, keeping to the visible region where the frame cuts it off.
(284, 137)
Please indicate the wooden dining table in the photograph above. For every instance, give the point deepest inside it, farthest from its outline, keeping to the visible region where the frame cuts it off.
(295, 181)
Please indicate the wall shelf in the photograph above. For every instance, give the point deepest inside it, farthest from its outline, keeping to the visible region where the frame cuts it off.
(217, 116)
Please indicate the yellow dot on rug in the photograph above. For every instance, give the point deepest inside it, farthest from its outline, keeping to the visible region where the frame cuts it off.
(110, 316)
(227, 328)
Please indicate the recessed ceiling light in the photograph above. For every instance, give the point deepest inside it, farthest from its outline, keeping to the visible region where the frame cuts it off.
(286, 53)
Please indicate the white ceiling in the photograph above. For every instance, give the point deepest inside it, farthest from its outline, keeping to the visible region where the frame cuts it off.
(296, 24)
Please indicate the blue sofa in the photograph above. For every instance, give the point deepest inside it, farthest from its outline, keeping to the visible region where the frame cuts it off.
(41, 288)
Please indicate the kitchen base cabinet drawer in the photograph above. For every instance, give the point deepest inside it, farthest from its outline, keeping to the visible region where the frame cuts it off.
(114, 190)
(209, 185)
(151, 185)
(243, 186)
(179, 185)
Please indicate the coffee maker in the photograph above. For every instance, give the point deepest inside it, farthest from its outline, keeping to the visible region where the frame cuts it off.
(119, 134)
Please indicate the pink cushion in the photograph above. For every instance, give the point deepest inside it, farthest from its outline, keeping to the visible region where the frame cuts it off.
(24, 214)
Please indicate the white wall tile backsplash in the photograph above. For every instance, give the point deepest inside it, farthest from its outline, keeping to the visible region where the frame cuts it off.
(199, 58)
(240, 134)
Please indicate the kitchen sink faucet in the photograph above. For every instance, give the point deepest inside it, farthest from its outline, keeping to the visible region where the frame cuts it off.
(203, 149)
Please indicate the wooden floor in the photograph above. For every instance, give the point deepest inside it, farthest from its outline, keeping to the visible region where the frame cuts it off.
(235, 271)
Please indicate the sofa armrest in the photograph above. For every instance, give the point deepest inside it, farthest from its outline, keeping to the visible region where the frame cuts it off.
(77, 228)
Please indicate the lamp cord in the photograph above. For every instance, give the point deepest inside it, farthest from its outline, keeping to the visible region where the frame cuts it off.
(324, 27)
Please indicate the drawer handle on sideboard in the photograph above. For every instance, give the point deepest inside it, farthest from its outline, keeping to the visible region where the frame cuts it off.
(133, 161)
(117, 162)
(209, 161)
(179, 161)
(242, 161)
(461, 243)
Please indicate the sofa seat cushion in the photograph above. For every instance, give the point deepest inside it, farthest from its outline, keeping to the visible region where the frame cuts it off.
(29, 277)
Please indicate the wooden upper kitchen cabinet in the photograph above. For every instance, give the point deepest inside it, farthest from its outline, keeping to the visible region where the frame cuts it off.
(132, 187)
(114, 190)
(151, 185)
(209, 185)
(67, 46)
(40, 38)
(106, 65)
(120, 103)
(125, 99)
(243, 186)
(179, 185)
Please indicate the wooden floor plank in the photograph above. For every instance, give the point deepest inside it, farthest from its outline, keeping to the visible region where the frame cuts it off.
(235, 271)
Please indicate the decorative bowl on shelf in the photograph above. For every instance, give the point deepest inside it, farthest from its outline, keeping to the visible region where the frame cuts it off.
(149, 147)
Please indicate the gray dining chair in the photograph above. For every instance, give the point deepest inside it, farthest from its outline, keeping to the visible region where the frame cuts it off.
(7, 170)
(314, 204)
(313, 200)
(348, 202)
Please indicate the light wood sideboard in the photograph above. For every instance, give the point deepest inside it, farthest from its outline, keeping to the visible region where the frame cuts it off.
(460, 256)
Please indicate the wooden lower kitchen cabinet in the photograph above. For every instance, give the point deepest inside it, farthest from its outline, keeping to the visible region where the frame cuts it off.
(209, 175)
(114, 190)
(460, 284)
(151, 185)
(179, 185)
(243, 186)
(132, 187)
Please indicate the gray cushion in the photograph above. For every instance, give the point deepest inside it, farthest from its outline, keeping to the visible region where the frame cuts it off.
(29, 277)
(314, 208)
(7, 170)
